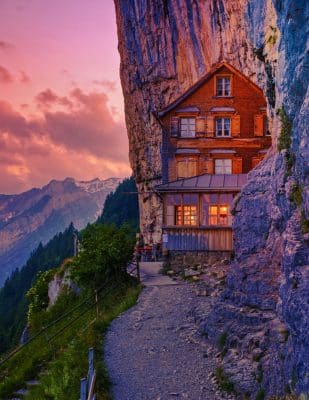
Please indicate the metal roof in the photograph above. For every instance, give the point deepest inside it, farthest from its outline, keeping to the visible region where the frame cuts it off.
(188, 151)
(222, 109)
(206, 183)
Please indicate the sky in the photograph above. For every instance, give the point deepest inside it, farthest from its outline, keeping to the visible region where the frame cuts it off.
(61, 105)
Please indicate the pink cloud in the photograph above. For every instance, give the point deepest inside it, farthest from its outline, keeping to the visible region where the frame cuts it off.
(81, 139)
(24, 78)
(5, 45)
(48, 98)
(5, 75)
(110, 86)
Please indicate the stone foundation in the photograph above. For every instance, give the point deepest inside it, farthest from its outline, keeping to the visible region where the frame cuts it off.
(179, 260)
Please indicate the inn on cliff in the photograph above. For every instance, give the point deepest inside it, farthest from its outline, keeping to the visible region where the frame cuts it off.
(213, 135)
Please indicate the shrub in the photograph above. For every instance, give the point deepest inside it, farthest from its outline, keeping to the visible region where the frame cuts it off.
(296, 195)
(284, 140)
(260, 395)
(223, 381)
(105, 252)
(38, 293)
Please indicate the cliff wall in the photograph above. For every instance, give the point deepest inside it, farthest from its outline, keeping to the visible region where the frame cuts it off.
(165, 46)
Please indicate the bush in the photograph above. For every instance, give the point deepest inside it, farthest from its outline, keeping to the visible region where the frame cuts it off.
(105, 252)
(223, 381)
(38, 293)
(284, 140)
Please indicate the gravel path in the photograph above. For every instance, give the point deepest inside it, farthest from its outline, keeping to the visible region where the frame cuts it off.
(154, 351)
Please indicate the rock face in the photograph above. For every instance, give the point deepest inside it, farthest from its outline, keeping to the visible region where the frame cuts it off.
(165, 46)
(37, 215)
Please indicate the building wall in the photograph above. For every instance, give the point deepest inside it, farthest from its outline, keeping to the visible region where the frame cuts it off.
(247, 142)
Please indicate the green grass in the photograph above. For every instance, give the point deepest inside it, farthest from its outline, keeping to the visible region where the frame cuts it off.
(260, 395)
(224, 382)
(63, 360)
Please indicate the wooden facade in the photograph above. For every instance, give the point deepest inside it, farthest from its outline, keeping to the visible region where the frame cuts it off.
(218, 128)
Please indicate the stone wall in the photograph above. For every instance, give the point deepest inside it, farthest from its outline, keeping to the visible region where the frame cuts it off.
(167, 45)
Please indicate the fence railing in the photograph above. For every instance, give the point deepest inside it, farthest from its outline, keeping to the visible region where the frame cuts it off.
(87, 385)
(133, 269)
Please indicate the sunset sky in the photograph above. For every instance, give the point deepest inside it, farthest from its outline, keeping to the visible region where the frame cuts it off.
(61, 106)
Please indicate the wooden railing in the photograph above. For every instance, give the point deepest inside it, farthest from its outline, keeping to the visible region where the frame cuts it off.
(87, 385)
(133, 268)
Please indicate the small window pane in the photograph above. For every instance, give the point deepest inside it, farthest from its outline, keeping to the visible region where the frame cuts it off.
(223, 127)
(187, 127)
(224, 86)
(223, 166)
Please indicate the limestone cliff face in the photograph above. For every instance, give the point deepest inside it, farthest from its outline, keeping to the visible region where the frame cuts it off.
(165, 46)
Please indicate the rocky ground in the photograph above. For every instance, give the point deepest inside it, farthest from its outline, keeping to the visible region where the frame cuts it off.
(156, 350)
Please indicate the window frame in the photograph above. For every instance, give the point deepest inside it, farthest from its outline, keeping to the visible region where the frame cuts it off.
(180, 205)
(220, 77)
(182, 118)
(181, 218)
(223, 160)
(217, 214)
(222, 119)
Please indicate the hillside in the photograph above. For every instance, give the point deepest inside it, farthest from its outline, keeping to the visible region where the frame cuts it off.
(121, 207)
(13, 303)
(37, 215)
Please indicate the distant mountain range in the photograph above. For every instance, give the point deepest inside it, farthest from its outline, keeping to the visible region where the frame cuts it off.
(35, 216)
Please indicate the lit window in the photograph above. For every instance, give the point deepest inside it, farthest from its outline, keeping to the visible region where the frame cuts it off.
(223, 166)
(218, 215)
(223, 127)
(224, 86)
(186, 215)
(187, 127)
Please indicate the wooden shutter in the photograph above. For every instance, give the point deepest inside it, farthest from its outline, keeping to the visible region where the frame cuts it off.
(192, 168)
(174, 126)
(200, 126)
(209, 166)
(236, 125)
(256, 160)
(181, 169)
(237, 165)
(210, 131)
(170, 215)
(259, 125)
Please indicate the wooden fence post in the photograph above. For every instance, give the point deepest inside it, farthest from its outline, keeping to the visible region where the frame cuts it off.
(138, 271)
(83, 389)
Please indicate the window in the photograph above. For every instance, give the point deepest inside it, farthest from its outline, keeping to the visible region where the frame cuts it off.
(223, 86)
(186, 168)
(223, 127)
(218, 215)
(187, 127)
(181, 209)
(223, 166)
(186, 215)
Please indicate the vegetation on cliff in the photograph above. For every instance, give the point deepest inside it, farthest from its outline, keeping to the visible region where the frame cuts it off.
(13, 303)
(121, 207)
(76, 321)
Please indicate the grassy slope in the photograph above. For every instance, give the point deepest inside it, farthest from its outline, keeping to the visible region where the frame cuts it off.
(63, 360)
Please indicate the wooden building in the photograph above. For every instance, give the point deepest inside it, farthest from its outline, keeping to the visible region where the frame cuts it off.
(213, 135)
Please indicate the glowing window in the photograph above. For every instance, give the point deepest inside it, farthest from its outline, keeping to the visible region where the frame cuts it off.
(186, 215)
(218, 215)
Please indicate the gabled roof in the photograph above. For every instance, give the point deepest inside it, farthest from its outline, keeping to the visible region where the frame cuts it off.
(200, 82)
(207, 183)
